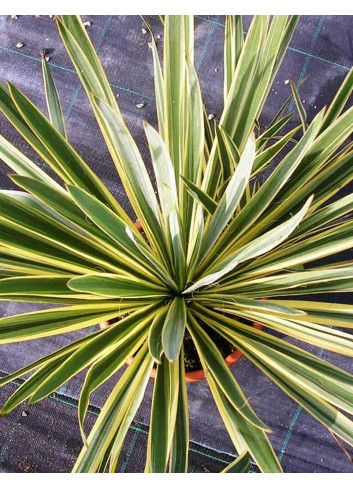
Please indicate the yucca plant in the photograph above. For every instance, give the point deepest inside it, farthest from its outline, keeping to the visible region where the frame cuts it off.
(222, 247)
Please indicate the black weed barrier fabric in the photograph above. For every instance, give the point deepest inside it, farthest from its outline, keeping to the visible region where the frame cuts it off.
(45, 437)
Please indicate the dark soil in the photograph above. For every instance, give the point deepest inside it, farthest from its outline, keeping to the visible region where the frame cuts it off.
(191, 357)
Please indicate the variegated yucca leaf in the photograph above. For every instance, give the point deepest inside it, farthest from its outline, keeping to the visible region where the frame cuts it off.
(218, 246)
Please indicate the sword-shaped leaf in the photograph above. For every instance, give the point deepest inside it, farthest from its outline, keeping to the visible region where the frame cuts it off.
(34, 325)
(52, 98)
(240, 464)
(209, 204)
(230, 199)
(113, 285)
(213, 362)
(130, 387)
(179, 453)
(174, 328)
(163, 416)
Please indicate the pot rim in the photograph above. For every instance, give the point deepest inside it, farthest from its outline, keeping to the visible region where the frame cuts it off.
(197, 375)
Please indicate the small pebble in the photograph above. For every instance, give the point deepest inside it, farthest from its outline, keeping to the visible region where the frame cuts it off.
(211, 116)
(25, 413)
(143, 30)
(87, 23)
(159, 36)
(19, 45)
(37, 16)
(140, 106)
(47, 58)
(15, 17)
(117, 95)
(150, 45)
(51, 16)
(216, 69)
(286, 82)
(303, 101)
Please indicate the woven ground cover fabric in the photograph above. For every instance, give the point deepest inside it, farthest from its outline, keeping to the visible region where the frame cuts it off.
(45, 437)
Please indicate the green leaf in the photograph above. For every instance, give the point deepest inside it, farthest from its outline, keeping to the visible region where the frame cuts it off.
(23, 166)
(263, 159)
(233, 45)
(228, 153)
(84, 58)
(230, 199)
(19, 163)
(321, 410)
(299, 104)
(173, 329)
(132, 171)
(214, 363)
(314, 334)
(273, 128)
(158, 80)
(52, 98)
(174, 68)
(294, 283)
(36, 285)
(195, 130)
(61, 203)
(238, 301)
(34, 325)
(327, 313)
(155, 335)
(326, 215)
(325, 243)
(30, 385)
(130, 387)
(33, 222)
(167, 191)
(232, 327)
(211, 278)
(103, 368)
(178, 462)
(114, 285)
(164, 171)
(339, 102)
(163, 416)
(114, 227)
(240, 464)
(209, 204)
